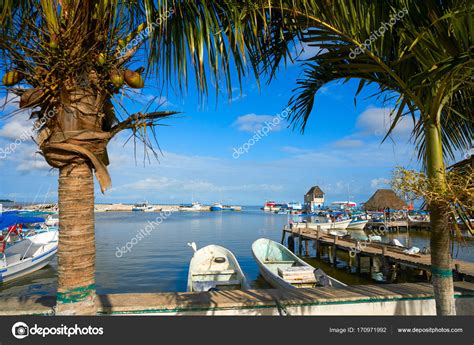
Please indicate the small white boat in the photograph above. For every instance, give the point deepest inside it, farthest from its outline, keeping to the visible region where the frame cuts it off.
(143, 207)
(28, 255)
(358, 222)
(194, 207)
(214, 267)
(324, 225)
(283, 269)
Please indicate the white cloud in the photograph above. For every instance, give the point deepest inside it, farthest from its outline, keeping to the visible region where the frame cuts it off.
(377, 122)
(380, 182)
(16, 129)
(188, 186)
(253, 122)
(348, 143)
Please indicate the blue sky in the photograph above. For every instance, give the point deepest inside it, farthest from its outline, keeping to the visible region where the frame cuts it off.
(341, 149)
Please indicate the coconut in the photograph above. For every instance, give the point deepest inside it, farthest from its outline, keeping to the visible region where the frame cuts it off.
(12, 77)
(116, 77)
(141, 27)
(134, 79)
(101, 59)
(31, 97)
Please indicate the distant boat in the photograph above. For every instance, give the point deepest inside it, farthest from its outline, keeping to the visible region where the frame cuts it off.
(283, 269)
(194, 207)
(143, 207)
(219, 207)
(296, 206)
(216, 207)
(28, 255)
(214, 268)
(269, 206)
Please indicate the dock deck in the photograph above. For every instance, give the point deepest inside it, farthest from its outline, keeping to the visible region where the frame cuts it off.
(385, 299)
(391, 253)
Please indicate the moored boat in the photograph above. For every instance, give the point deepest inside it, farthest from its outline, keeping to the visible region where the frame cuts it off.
(324, 225)
(216, 207)
(140, 207)
(358, 222)
(214, 268)
(28, 255)
(194, 207)
(283, 269)
(269, 206)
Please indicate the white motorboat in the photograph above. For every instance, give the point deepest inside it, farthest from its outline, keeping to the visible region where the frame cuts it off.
(214, 267)
(194, 207)
(143, 207)
(283, 269)
(358, 222)
(28, 255)
(323, 225)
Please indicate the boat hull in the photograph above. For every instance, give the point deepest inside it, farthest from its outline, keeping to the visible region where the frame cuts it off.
(20, 262)
(282, 254)
(341, 225)
(358, 225)
(204, 273)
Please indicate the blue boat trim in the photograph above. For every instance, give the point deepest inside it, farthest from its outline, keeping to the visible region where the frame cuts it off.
(44, 254)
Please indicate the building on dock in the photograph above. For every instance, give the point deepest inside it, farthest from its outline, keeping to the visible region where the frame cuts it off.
(314, 199)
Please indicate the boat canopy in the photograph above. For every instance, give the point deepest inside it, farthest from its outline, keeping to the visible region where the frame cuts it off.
(8, 219)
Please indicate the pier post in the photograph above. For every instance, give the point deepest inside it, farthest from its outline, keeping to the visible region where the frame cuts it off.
(358, 262)
(300, 243)
(318, 248)
(306, 247)
(291, 243)
(283, 236)
(334, 260)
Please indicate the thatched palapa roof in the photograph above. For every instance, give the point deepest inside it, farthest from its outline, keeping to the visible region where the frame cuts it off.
(315, 190)
(382, 199)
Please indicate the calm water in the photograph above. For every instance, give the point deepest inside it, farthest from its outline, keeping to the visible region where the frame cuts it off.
(159, 262)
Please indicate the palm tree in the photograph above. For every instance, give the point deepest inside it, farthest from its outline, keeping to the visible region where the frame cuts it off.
(419, 54)
(71, 59)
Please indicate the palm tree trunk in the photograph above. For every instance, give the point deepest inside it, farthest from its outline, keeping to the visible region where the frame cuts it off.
(76, 252)
(441, 265)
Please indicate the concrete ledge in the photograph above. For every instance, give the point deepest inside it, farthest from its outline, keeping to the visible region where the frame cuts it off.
(393, 299)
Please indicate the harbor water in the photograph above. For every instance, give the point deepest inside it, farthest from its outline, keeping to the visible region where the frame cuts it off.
(148, 252)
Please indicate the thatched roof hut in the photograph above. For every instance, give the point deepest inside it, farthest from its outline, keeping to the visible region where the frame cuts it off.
(315, 192)
(382, 199)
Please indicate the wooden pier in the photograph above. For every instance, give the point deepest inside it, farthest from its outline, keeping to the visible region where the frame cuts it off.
(389, 256)
(387, 299)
